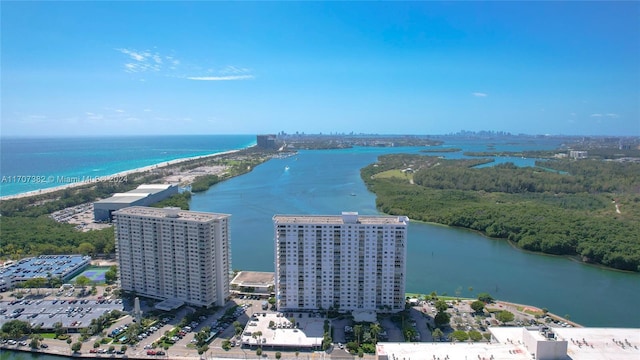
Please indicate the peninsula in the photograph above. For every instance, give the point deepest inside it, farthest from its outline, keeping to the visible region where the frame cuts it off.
(587, 209)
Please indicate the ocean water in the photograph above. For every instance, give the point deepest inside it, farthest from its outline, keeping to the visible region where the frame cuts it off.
(23, 159)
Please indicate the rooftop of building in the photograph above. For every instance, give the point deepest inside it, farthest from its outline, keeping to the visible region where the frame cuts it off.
(254, 279)
(140, 192)
(307, 332)
(175, 213)
(345, 218)
(583, 344)
(41, 266)
(125, 198)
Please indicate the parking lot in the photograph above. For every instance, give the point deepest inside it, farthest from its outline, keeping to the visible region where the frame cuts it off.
(44, 313)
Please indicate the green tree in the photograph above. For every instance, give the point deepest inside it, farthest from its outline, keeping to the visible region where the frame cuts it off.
(485, 297)
(111, 275)
(441, 319)
(86, 249)
(409, 333)
(375, 330)
(460, 335)
(437, 334)
(16, 328)
(475, 335)
(123, 348)
(504, 316)
(96, 344)
(477, 306)
(226, 345)
(441, 306)
(58, 329)
(278, 355)
(82, 281)
(203, 349)
(76, 346)
(357, 331)
(35, 341)
(36, 283)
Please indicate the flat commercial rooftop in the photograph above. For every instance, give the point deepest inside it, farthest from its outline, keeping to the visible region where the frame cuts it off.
(583, 344)
(451, 351)
(170, 213)
(138, 193)
(43, 265)
(305, 333)
(122, 198)
(339, 220)
(254, 279)
(601, 343)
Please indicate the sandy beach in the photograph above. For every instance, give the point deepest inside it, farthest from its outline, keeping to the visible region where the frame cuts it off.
(114, 177)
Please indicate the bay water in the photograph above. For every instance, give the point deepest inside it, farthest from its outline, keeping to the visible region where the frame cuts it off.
(442, 259)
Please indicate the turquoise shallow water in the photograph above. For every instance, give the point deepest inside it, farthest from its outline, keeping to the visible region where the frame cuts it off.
(21, 158)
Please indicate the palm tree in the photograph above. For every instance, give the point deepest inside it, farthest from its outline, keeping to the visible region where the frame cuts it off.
(259, 335)
(374, 330)
(357, 331)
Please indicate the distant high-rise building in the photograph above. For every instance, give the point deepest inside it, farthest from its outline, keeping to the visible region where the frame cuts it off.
(347, 262)
(173, 254)
(266, 141)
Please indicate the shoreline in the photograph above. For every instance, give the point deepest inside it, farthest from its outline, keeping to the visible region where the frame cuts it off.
(142, 169)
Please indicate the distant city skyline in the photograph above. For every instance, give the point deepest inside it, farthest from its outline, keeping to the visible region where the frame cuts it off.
(155, 68)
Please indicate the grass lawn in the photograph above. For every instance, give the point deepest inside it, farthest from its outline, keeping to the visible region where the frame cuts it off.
(395, 173)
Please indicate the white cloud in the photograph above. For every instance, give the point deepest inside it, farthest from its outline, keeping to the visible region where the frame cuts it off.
(221, 78)
(139, 61)
(479, 94)
(609, 115)
(133, 54)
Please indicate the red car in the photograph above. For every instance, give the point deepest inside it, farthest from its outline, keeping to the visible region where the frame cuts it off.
(151, 352)
(93, 351)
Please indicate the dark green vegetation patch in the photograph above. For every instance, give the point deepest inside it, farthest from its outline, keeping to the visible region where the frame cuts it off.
(587, 208)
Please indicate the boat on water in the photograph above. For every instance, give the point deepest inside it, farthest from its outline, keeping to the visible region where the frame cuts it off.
(286, 168)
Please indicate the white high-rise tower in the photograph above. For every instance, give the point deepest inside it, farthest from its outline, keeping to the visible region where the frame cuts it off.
(173, 254)
(347, 262)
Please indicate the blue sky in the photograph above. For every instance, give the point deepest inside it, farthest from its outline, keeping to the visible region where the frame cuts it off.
(92, 68)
